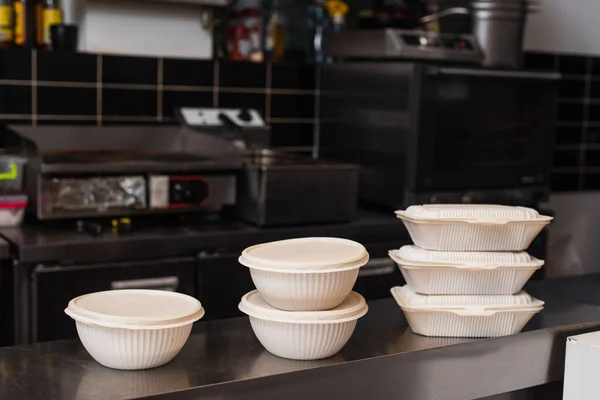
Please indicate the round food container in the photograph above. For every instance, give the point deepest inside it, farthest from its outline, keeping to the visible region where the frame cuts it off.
(134, 329)
(307, 274)
(303, 335)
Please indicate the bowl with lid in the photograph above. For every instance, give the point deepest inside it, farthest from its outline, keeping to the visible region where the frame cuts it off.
(303, 335)
(306, 274)
(134, 329)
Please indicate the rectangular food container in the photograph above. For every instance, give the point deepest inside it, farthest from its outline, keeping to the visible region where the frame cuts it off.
(461, 272)
(466, 316)
(472, 227)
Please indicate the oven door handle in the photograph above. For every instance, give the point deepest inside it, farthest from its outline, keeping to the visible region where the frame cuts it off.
(378, 267)
(484, 73)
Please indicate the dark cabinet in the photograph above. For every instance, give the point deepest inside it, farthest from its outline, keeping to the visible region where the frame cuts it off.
(54, 286)
(222, 282)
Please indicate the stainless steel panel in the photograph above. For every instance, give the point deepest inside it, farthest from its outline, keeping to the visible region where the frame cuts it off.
(574, 240)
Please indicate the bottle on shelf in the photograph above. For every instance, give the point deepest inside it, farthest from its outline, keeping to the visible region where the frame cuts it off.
(48, 13)
(6, 23)
(20, 24)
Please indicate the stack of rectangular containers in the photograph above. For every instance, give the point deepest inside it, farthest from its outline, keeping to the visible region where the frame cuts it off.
(467, 269)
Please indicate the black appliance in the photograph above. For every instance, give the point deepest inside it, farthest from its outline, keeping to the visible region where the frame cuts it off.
(433, 133)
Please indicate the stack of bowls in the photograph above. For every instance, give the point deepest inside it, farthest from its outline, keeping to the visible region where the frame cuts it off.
(304, 308)
(466, 271)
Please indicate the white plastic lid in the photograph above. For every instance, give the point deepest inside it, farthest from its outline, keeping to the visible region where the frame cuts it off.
(471, 212)
(413, 255)
(353, 307)
(313, 253)
(135, 309)
(409, 299)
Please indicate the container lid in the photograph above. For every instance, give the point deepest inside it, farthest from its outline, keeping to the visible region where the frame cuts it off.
(471, 212)
(415, 256)
(135, 309)
(351, 309)
(312, 253)
(409, 299)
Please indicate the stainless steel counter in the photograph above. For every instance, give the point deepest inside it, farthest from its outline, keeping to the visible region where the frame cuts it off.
(384, 359)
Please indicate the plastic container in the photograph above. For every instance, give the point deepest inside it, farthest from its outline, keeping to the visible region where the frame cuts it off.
(466, 316)
(12, 209)
(461, 272)
(11, 173)
(307, 274)
(472, 227)
(303, 335)
(134, 329)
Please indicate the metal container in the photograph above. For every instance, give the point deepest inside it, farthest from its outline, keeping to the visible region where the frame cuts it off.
(282, 189)
(499, 29)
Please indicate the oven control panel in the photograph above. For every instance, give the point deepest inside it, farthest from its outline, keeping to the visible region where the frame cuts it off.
(221, 117)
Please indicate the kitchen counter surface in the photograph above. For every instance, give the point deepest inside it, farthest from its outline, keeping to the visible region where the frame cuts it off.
(33, 242)
(224, 360)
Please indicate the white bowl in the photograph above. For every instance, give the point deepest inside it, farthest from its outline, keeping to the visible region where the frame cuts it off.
(134, 329)
(308, 274)
(300, 335)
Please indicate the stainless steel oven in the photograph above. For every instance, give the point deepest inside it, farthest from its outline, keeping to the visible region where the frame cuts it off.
(432, 133)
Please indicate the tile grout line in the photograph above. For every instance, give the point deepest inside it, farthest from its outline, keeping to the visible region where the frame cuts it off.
(99, 90)
(268, 83)
(159, 89)
(216, 83)
(584, 125)
(34, 88)
(317, 113)
(176, 88)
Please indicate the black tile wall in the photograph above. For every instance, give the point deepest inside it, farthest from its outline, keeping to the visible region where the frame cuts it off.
(129, 70)
(577, 148)
(15, 64)
(181, 72)
(78, 88)
(66, 67)
(129, 102)
(234, 74)
(66, 101)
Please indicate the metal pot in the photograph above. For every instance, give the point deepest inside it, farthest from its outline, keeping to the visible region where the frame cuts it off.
(498, 27)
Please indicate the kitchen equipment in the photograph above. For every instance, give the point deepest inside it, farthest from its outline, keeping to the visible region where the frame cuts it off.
(82, 171)
(134, 329)
(12, 209)
(404, 44)
(466, 316)
(303, 335)
(472, 227)
(461, 272)
(496, 41)
(306, 274)
(11, 173)
(276, 187)
(440, 134)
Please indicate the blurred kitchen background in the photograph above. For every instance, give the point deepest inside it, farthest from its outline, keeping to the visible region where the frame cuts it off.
(209, 125)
